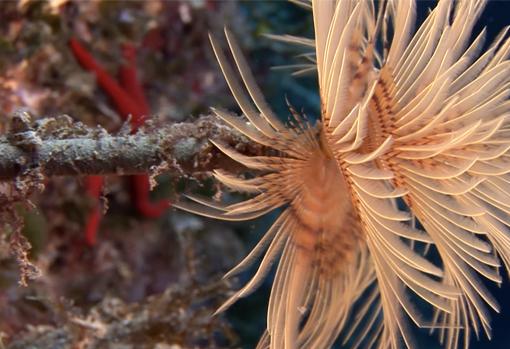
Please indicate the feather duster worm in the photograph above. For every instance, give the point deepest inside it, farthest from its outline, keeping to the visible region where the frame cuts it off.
(419, 119)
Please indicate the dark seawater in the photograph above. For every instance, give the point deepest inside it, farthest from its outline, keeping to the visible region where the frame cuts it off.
(249, 315)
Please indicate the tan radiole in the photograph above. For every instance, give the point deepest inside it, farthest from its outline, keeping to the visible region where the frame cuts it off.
(422, 121)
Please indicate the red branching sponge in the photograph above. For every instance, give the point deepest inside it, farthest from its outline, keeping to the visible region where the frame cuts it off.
(129, 99)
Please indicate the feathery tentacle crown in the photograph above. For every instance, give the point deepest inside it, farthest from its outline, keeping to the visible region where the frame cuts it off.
(423, 121)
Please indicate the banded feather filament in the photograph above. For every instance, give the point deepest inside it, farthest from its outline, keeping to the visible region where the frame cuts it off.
(415, 131)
